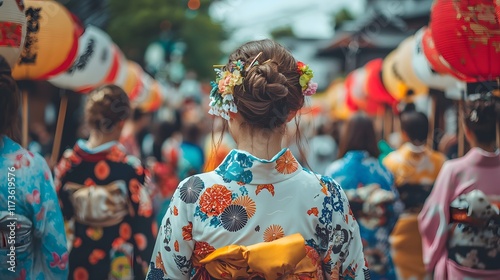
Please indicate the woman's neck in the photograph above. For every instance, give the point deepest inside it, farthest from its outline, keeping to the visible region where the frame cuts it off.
(491, 148)
(263, 145)
(97, 139)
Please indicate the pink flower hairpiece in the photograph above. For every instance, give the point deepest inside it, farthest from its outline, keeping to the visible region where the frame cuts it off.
(306, 74)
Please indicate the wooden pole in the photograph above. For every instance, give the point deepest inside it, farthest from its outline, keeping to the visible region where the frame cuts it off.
(387, 123)
(498, 135)
(432, 121)
(25, 115)
(461, 133)
(59, 129)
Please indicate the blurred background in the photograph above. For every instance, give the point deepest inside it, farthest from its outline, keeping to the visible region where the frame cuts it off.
(178, 41)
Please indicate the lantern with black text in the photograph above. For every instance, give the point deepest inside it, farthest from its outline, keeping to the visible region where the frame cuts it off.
(95, 58)
(51, 43)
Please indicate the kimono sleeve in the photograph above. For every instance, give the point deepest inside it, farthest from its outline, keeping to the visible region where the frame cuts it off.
(434, 218)
(174, 245)
(48, 225)
(142, 223)
(345, 245)
(60, 171)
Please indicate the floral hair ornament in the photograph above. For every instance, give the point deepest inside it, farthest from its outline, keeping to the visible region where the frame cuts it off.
(306, 74)
(221, 95)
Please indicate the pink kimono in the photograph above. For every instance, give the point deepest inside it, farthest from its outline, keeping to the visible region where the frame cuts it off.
(459, 223)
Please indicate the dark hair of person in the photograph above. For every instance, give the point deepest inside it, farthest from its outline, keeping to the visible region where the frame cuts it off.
(416, 126)
(161, 132)
(106, 107)
(137, 114)
(271, 88)
(358, 135)
(270, 91)
(481, 117)
(9, 101)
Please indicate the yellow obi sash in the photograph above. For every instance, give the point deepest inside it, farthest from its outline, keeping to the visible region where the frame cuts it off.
(284, 258)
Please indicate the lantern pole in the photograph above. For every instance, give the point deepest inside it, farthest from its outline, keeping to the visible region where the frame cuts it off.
(25, 118)
(387, 123)
(461, 136)
(59, 129)
(432, 120)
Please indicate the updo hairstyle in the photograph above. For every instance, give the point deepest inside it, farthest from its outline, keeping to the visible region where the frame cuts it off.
(106, 107)
(481, 117)
(270, 90)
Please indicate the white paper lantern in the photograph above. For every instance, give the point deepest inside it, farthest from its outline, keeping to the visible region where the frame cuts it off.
(12, 30)
(121, 76)
(95, 59)
(424, 71)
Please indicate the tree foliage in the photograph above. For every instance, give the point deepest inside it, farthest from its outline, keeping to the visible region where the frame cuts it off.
(135, 24)
(342, 16)
(282, 32)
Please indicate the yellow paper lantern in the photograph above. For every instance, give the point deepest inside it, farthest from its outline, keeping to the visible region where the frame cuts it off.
(391, 79)
(51, 41)
(154, 99)
(337, 97)
(12, 30)
(132, 83)
(404, 67)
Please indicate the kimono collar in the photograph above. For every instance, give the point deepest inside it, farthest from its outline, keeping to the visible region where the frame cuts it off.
(414, 148)
(7, 145)
(97, 153)
(358, 154)
(244, 168)
(99, 149)
(482, 158)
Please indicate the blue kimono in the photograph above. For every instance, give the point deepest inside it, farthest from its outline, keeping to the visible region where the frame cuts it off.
(32, 236)
(369, 188)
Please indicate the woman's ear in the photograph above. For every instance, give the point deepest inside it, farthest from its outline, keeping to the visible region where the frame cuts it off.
(291, 115)
(233, 115)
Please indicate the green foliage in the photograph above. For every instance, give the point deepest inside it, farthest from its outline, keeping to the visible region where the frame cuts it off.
(282, 32)
(136, 24)
(342, 16)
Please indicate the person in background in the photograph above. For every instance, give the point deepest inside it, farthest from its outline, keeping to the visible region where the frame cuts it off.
(370, 189)
(259, 210)
(131, 130)
(415, 168)
(322, 148)
(163, 174)
(192, 157)
(102, 189)
(29, 211)
(460, 220)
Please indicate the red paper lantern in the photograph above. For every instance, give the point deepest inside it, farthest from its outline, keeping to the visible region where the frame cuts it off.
(497, 8)
(356, 95)
(374, 85)
(349, 100)
(467, 35)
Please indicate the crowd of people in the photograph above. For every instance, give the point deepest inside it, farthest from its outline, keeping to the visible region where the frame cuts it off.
(234, 197)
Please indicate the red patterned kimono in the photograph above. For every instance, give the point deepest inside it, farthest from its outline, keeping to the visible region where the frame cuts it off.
(102, 190)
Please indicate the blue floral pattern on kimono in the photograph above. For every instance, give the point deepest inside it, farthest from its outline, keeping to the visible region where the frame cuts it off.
(40, 242)
(248, 200)
(353, 172)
